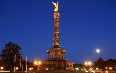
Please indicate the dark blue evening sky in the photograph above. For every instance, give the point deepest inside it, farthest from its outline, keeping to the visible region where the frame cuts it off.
(84, 26)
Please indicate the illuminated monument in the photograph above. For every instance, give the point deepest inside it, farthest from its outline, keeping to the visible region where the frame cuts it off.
(56, 53)
(56, 56)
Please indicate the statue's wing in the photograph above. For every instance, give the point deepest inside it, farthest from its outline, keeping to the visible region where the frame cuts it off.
(54, 4)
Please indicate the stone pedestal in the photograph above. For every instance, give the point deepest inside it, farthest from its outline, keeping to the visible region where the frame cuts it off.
(56, 54)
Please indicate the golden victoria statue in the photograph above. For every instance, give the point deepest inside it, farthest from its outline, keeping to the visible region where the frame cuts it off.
(56, 6)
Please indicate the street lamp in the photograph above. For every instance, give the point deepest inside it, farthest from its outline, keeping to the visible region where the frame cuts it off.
(38, 63)
(16, 68)
(88, 64)
(1, 68)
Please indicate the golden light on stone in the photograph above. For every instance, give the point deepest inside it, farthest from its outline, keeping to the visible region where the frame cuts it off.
(56, 6)
(56, 55)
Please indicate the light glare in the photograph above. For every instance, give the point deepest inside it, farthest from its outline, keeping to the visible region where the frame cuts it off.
(98, 50)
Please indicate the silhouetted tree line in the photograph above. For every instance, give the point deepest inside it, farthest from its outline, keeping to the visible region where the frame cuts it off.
(109, 64)
(12, 58)
(101, 64)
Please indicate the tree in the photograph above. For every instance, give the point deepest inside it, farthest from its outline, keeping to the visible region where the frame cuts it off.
(110, 63)
(11, 56)
(99, 63)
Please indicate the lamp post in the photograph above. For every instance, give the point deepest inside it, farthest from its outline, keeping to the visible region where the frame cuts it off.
(38, 63)
(88, 64)
(1, 68)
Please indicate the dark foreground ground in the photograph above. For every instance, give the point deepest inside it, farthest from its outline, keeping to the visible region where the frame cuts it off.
(60, 71)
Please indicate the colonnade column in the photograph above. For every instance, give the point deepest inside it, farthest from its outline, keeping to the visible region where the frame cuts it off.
(64, 56)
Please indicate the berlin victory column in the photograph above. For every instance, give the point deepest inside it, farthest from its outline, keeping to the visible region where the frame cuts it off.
(56, 56)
